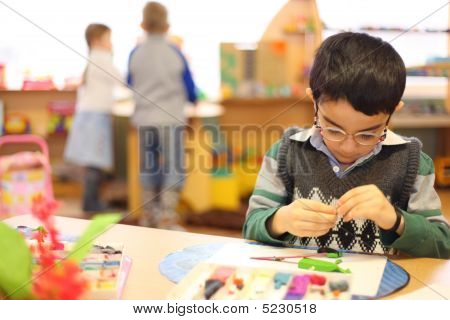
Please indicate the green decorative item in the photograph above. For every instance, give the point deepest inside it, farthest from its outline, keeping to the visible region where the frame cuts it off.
(15, 264)
(320, 265)
(51, 277)
(97, 226)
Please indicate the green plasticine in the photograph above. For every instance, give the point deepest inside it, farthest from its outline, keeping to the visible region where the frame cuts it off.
(319, 265)
(334, 255)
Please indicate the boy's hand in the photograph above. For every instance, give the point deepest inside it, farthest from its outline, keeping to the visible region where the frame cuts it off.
(367, 202)
(303, 218)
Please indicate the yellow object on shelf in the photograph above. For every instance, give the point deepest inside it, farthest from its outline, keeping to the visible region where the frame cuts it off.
(225, 191)
(246, 175)
(442, 169)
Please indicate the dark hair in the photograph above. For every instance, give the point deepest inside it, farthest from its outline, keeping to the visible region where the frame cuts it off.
(95, 31)
(154, 17)
(364, 70)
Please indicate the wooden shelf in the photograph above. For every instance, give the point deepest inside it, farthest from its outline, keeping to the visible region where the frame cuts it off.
(438, 69)
(67, 189)
(232, 102)
(421, 121)
(388, 30)
(298, 33)
(35, 91)
(436, 65)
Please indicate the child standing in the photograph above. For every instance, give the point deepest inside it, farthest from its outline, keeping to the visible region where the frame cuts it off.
(90, 140)
(162, 83)
(348, 182)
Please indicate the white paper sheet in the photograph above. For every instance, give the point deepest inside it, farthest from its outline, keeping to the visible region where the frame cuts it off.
(367, 270)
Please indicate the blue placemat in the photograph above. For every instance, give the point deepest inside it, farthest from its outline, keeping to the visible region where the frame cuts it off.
(177, 264)
(394, 278)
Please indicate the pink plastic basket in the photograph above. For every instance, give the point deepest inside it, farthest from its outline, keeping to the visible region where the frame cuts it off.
(23, 176)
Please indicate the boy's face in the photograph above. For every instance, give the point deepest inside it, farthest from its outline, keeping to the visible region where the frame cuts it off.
(341, 114)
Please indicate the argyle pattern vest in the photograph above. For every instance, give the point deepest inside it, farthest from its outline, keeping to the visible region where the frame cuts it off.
(307, 174)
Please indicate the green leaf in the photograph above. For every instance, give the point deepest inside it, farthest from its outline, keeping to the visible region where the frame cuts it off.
(98, 225)
(15, 264)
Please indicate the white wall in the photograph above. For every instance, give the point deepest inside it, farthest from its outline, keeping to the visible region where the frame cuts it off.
(203, 24)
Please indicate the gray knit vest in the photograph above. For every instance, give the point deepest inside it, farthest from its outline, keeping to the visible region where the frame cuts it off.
(307, 174)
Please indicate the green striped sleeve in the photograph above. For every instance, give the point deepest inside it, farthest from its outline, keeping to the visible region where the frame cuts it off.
(268, 195)
(255, 227)
(426, 165)
(424, 199)
(423, 238)
(426, 233)
(273, 151)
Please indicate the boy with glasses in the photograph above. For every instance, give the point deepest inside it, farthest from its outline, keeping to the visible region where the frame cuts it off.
(348, 182)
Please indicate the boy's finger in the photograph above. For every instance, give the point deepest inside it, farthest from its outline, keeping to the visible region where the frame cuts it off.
(316, 206)
(314, 216)
(352, 203)
(359, 211)
(350, 194)
(312, 226)
(362, 210)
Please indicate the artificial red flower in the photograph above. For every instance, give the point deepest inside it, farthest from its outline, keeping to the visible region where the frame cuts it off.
(43, 208)
(39, 234)
(60, 281)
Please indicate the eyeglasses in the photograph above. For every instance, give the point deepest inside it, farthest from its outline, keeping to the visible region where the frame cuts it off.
(337, 135)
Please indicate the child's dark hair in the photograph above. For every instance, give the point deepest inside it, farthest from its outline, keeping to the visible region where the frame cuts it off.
(95, 31)
(364, 70)
(154, 17)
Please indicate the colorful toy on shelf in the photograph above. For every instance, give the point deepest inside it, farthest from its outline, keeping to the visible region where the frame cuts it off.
(61, 116)
(399, 29)
(438, 60)
(428, 71)
(424, 107)
(16, 123)
(41, 83)
(23, 176)
(229, 70)
(299, 25)
(268, 69)
(435, 67)
(233, 177)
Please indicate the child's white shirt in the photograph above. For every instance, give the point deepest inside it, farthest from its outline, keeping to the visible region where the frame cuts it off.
(97, 92)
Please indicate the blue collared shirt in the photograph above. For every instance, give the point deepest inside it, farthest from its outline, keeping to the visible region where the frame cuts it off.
(316, 140)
